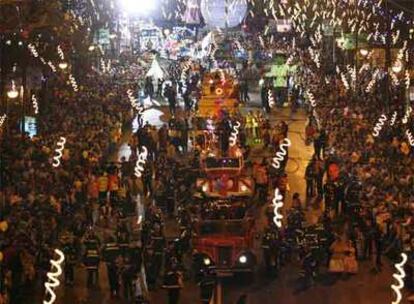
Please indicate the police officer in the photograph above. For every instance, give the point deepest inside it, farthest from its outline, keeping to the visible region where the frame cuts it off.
(269, 246)
(111, 252)
(91, 258)
(158, 244)
(173, 282)
(70, 260)
(207, 285)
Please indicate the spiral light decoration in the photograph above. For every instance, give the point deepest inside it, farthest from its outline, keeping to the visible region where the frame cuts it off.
(73, 83)
(234, 134)
(311, 98)
(379, 125)
(407, 115)
(277, 204)
(399, 278)
(280, 156)
(142, 159)
(270, 98)
(393, 118)
(53, 277)
(35, 104)
(410, 137)
(134, 103)
(61, 145)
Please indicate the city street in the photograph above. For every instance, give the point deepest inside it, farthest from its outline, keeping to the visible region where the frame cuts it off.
(365, 288)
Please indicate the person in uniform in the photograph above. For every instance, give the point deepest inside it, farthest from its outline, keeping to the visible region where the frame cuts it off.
(70, 260)
(111, 251)
(91, 258)
(173, 282)
(269, 247)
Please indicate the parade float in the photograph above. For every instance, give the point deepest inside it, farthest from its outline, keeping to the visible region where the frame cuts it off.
(219, 93)
(224, 230)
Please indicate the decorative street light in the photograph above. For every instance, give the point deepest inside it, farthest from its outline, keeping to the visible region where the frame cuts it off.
(397, 67)
(63, 65)
(13, 93)
(363, 52)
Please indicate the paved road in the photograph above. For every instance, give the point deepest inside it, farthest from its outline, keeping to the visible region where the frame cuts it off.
(363, 288)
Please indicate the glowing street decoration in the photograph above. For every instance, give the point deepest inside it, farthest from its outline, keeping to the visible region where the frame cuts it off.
(142, 159)
(277, 204)
(280, 156)
(410, 137)
(73, 83)
(407, 115)
(234, 134)
(60, 53)
(33, 50)
(134, 103)
(53, 277)
(35, 104)
(59, 152)
(399, 277)
(393, 118)
(2, 120)
(311, 98)
(270, 98)
(379, 125)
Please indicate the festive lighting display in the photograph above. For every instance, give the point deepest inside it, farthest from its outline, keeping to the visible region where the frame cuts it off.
(379, 125)
(2, 120)
(399, 277)
(35, 104)
(142, 159)
(393, 118)
(234, 134)
(410, 137)
(280, 155)
(277, 204)
(73, 83)
(53, 277)
(134, 102)
(270, 98)
(407, 115)
(59, 152)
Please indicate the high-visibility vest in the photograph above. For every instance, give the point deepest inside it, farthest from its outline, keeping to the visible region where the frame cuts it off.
(103, 183)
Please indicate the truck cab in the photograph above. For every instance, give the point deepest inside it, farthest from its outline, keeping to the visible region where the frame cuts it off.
(225, 245)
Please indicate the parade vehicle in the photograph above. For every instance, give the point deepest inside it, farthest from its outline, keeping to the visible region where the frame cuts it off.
(220, 92)
(224, 245)
(225, 228)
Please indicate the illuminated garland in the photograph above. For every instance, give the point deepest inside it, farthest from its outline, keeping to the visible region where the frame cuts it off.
(277, 204)
(33, 50)
(271, 98)
(372, 82)
(184, 76)
(2, 120)
(233, 136)
(73, 83)
(407, 115)
(394, 118)
(60, 53)
(35, 104)
(407, 79)
(399, 278)
(280, 156)
(61, 145)
(134, 103)
(142, 159)
(379, 125)
(410, 137)
(311, 98)
(53, 277)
